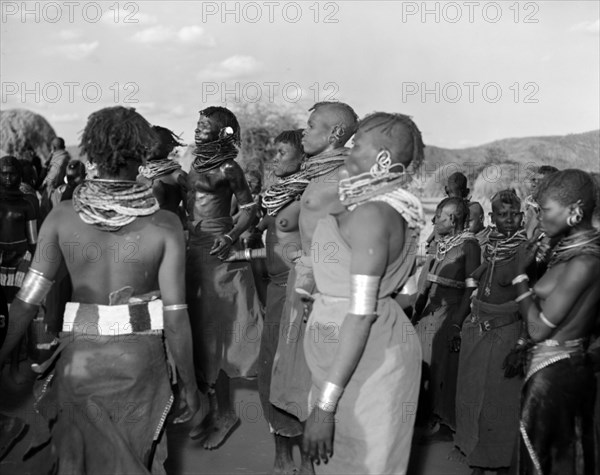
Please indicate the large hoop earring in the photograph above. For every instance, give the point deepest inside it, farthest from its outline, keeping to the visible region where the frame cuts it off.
(383, 163)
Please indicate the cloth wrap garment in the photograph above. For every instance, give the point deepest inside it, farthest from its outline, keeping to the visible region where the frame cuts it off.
(376, 413)
(487, 403)
(280, 422)
(106, 390)
(557, 403)
(225, 312)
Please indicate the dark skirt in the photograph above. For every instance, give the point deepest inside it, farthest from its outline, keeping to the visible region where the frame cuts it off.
(557, 425)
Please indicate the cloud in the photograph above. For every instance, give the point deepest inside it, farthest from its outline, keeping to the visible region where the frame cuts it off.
(587, 26)
(69, 34)
(77, 51)
(195, 35)
(186, 35)
(231, 68)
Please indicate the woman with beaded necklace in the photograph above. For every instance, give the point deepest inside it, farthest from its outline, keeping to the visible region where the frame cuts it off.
(362, 351)
(556, 429)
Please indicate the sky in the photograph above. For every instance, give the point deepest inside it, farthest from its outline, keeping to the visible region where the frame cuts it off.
(467, 72)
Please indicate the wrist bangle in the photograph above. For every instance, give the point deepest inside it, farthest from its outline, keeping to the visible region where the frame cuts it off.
(330, 395)
(456, 325)
(229, 237)
(523, 296)
(520, 278)
(248, 254)
(521, 342)
(471, 283)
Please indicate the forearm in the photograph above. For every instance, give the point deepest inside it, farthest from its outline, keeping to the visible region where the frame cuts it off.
(20, 317)
(353, 336)
(246, 217)
(178, 335)
(463, 310)
(537, 329)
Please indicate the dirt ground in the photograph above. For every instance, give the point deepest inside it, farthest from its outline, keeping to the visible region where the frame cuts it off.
(249, 450)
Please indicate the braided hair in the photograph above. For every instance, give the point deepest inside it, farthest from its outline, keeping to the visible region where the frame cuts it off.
(292, 137)
(167, 141)
(114, 136)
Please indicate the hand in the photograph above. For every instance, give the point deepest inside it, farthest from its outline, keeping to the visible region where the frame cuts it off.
(514, 363)
(454, 338)
(318, 436)
(526, 255)
(221, 247)
(307, 302)
(192, 402)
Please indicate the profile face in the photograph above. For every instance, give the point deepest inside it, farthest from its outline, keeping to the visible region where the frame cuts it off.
(363, 153)
(475, 219)
(507, 218)
(287, 159)
(9, 177)
(553, 216)
(207, 130)
(315, 136)
(443, 224)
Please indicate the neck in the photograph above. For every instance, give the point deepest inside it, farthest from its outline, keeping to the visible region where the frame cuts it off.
(329, 148)
(584, 226)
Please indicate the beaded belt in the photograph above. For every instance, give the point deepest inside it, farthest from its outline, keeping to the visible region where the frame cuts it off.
(113, 320)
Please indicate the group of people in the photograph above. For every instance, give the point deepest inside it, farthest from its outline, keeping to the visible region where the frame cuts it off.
(495, 347)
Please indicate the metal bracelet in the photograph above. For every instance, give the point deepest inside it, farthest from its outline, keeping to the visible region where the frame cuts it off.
(248, 254)
(229, 237)
(471, 283)
(329, 397)
(363, 294)
(174, 307)
(546, 322)
(520, 278)
(524, 295)
(35, 287)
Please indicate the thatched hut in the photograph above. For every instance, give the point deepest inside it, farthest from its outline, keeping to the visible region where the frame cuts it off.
(21, 127)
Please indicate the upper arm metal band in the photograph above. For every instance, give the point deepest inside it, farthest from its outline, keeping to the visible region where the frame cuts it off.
(35, 287)
(247, 205)
(363, 294)
(32, 235)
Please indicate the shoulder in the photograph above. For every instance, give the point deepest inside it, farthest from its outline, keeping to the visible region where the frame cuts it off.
(471, 245)
(166, 221)
(582, 268)
(376, 216)
(231, 168)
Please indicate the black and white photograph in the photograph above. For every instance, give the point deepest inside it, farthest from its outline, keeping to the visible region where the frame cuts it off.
(300, 237)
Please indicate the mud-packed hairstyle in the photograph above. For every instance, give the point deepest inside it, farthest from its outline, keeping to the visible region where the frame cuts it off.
(345, 115)
(396, 126)
(568, 187)
(508, 196)
(12, 161)
(461, 208)
(224, 118)
(114, 136)
(292, 137)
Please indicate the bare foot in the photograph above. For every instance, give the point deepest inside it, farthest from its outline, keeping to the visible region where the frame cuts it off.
(204, 428)
(285, 469)
(222, 427)
(306, 465)
(457, 456)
